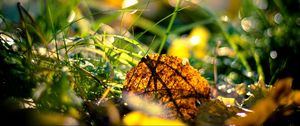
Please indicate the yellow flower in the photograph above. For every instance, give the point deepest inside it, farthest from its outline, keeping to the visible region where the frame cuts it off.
(198, 39)
(195, 44)
(180, 47)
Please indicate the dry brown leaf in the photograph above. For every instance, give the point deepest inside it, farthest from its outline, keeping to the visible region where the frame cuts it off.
(295, 97)
(282, 88)
(264, 108)
(171, 81)
(215, 113)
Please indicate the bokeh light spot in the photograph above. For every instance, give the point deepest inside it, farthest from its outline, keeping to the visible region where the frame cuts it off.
(128, 3)
(195, 40)
(278, 18)
(273, 54)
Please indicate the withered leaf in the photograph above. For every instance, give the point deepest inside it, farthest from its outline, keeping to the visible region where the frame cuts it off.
(174, 84)
(215, 113)
(278, 103)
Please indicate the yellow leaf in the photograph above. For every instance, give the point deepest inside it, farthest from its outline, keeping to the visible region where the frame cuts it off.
(262, 110)
(138, 118)
(295, 97)
(74, 112)
(227, 101)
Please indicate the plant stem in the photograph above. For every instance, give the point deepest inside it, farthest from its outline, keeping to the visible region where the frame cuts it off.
(258, 64)
(53, 29)
(163, 42)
